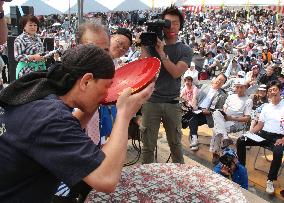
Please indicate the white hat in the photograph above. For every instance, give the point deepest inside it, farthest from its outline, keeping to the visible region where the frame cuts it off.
(187, 74)
(239, 81)
(262, 87)
(242, 73)
(192, 64)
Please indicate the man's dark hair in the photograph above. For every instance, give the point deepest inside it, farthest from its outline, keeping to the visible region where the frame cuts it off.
(173, 10)
(96, 28)
(223, 76)
(28, 18)
(276, 83)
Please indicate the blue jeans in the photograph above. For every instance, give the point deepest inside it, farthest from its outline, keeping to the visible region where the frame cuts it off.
(152, 116)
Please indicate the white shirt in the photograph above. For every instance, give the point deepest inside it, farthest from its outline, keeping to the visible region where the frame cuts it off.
(205, 104)
(273, 117)
(238, 106)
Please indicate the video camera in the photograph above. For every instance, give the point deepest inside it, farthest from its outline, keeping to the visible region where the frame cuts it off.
(154, 30)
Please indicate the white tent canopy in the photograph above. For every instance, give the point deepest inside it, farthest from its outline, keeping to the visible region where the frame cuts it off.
(130, 5)
(40, 8)
(89, 6)
(229, 2)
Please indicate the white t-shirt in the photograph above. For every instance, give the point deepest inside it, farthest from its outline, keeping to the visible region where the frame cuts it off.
(205, 104)
(238, 106)
(273, 117)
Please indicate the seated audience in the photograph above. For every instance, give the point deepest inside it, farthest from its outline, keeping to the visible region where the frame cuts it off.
(270, 126)
(189, 91)
(233, 69)
(193, 73)
(231, 118)
(229, 86)
(258, 100)
(210, 97)
(268, 76)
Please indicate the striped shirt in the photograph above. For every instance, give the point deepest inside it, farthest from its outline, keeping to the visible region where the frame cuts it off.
(25, 45)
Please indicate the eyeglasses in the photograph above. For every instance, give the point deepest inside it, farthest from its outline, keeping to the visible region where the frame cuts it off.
(121, 45)
(275, 89)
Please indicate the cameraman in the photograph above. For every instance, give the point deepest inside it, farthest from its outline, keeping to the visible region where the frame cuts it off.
(3, 25)
(163, 106)
(230, 167)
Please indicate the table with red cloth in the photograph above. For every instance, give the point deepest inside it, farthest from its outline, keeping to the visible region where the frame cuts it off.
(169, 182)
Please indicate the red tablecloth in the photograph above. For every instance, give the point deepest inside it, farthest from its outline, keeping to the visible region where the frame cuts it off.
(170, 183)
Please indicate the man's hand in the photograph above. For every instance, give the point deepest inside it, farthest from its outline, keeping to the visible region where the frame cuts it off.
(279, 142)
(225, 170)
(160, 48)
(36, 57)
(127, 104)
(206, 111)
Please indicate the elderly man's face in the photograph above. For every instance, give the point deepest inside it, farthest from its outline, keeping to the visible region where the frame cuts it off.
(119, 45)
(240, 90)
(100, 39)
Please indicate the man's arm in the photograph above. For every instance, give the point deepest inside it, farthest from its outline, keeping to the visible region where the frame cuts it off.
(242, 119)
(176, 70)
(258, 127)
(107, 175)
(3, 26)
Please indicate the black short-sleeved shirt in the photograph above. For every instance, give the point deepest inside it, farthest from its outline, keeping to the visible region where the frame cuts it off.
(167, 88)
(41, 144)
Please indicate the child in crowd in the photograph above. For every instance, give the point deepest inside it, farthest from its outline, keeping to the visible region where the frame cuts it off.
(189, 91)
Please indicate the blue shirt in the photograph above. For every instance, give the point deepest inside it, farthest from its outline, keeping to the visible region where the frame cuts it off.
(41, 144)
(239, 176)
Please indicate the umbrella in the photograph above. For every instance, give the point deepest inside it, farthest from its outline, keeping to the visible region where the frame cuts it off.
(56, 24)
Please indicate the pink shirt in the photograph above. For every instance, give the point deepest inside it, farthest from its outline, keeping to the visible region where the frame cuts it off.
(189, 94)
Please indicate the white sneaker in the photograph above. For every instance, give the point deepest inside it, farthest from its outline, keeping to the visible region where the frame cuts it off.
(194, 142)
(194, 148)
(269, 187)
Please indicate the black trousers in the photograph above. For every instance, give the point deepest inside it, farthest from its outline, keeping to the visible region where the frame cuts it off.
(270, 139)
(196, 120)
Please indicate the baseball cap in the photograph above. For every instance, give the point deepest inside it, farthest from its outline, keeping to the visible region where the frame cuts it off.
(230, 151)
(262, 87)
(242, 73)
(192, 64)
(239, 81)
(125, 32)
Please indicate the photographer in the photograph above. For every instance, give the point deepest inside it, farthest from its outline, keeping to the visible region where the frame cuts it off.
(162, 105)
(3, 25)
(230, 167)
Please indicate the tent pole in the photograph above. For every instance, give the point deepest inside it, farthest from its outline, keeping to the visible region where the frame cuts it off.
(80, 11)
